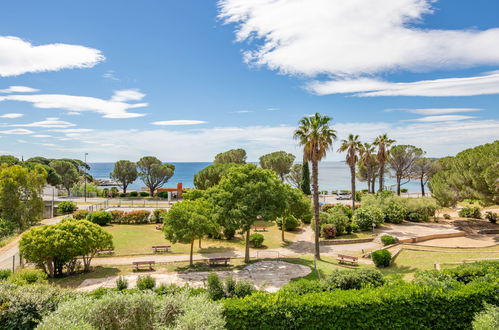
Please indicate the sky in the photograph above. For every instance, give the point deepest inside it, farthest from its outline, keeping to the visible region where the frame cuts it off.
(185, 80)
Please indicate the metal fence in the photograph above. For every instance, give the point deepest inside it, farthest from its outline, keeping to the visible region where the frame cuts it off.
(12, 262)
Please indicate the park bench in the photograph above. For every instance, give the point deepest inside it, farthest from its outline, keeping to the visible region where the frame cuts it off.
(159, 227)
(347, 259)
(161, 248)
(218, 261)
(105, 251)
(260, 227)
(138, 264)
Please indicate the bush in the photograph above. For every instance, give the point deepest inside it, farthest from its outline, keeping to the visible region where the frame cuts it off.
(214, 287)
(336, 217)
(101, 218)
(447, 216)
(122, 195)
(117, 216)
(388, 240)
(256, 240)
(28, 276)
(381, 258)
(328, 231)
(4, 274)
(134, 194)
(291, 223)
(157, 215)
(366, 216)
(345, 209)
(487, 319)
(121, 283)
(136, 217)
(415, 217)
(144, 194)
(394, 210)
(404, 190)
(470, 212)
(66, 207)
(162, 194)
(229, 288)
(424, 206)
(146, 282)
(491, 216)
(80, 214)
(229, 233)
(399, 306)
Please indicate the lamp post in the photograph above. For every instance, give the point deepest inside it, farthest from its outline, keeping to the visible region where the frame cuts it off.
(85, 179)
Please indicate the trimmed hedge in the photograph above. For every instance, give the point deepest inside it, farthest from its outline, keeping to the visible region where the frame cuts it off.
(402, 306)
(66, 207)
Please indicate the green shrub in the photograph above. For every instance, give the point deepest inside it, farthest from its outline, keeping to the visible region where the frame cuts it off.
(394, 210)
(66, 207)
(123, 195)
(121, 283)
(337, 218)
(291, 223)
(229, 233)
(366, 216)
(388, 240)
(134, 194)
(256, 240)
(146, 282)
(80, 214)
(328, 231)
(416, 217)
(243, 289)
(404, 190)
(157, 215)
(215, 287)
(487, 319)
(117, 216)
(491, 216)
(4, 273)
(136, 217)
(470, 212)
(101, 218)
(28, 276)
(447, 216)
(144, 194)
(229, 288)
(381, 258)
(400, 306)
(424, 206)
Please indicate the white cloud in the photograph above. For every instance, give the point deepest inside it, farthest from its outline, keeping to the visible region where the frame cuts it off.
(73, 130)
(52, 122)
(18, 56)
(11, 115)
(273, 109)
(351, 41)
(41, 136)
(73, 113)
(243, 111)
(441, 118)
(110, 75)
(19, 89)
(17, 131)
(468, 86)
(178, 122)
(107, 108)
(436, 111)
(127, 95)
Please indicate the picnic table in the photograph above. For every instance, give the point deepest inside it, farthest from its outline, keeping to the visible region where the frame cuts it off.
(261, 227)
(218, 261)
(347, 259)
(138, 264)
(161, 248)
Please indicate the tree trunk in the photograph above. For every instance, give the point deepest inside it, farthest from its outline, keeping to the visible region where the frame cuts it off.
(151, 192)
(368, 185)
(398, 185)
(246, 250)
(352, 173)
(124, 188)
(381, 174)
(422, 187)
(200, 242)
(315, 187)
(373, 185)
(192, 251)
(283, 223)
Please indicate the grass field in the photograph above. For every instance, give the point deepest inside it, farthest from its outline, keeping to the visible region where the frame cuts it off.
(138, 239)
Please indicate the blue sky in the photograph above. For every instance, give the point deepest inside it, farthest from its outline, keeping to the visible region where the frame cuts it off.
(184, 80)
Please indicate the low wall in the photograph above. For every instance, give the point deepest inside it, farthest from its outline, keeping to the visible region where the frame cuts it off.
(434, 236)
(345, 241)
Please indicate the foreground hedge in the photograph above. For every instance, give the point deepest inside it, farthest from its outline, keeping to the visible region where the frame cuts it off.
(404, 306)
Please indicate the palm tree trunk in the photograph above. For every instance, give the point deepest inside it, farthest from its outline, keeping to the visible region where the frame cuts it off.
(373, 185)
(368, 185)
(398, 185)
(352, 173)
(422, 187)
(192, 252)
(246, 250)
(315, 186)
(381, 174)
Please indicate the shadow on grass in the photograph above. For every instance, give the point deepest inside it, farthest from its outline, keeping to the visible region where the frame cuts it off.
(75, 280)
(226, 251)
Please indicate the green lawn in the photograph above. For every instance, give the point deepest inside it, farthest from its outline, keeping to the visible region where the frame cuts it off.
(138, 239)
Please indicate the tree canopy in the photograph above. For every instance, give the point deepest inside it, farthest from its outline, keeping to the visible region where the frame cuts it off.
(124, 172)
(237, 156)
(279, 162)
(401, 161)
(67, 171)
(295, 174)
(422, 170)
(211, 175)
(154, 173)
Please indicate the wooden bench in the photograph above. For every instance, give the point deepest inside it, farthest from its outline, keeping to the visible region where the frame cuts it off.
(347, 259)
(105, 251)
(138, 264)
(161, 248)
(159, 227)
(260, 227)
(218, 261)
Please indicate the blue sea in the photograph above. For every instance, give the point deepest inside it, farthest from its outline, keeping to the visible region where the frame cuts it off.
(332, 176)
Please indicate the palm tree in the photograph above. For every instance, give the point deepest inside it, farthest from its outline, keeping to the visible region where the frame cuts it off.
(316, 137)
(352, 147)
(383, 143)
(368, 159)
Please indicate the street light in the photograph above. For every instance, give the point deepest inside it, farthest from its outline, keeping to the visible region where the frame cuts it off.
(85, 179)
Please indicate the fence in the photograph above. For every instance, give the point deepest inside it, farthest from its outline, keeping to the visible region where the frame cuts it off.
(11, 262)
(101, 206)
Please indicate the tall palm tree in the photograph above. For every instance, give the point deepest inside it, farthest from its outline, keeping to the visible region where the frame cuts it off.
(316, 137)
(352, 147)
(368, 158)
(383, 143)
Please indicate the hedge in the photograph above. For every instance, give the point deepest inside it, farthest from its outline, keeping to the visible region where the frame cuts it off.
(401, 306)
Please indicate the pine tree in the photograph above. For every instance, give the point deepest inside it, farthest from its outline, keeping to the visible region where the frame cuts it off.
(305, 180)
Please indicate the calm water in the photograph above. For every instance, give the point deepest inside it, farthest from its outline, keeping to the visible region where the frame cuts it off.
(332, 175)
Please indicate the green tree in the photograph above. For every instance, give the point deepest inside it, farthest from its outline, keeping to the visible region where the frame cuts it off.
(279, 162)
(352, 147)
(67, 171)
(368, 166)
(154, 173)
(21, 200)
(401, 161)
(422, 170)
(237, 156)
(383, 143)
(9, 160)
(297, 205)
(305, 180)
(295, 175)
(316, 136)
(187, 221)
(211, 175)
(124, 172)
(245, 194)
